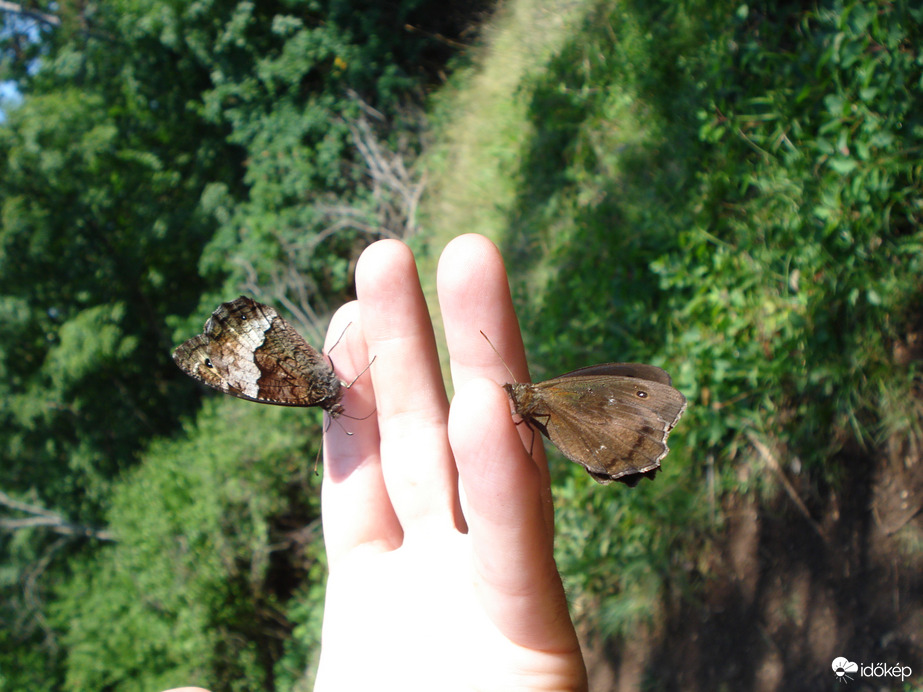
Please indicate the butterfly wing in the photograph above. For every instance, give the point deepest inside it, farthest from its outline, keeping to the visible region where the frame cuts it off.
(247, 350)
(640, 371)
(222, 356)
(616, 426)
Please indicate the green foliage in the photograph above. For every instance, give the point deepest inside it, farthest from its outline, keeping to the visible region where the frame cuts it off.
(730, 191)
(609, 552)
(164, 157)
(100, 231)
(207, 548)
(742, 210)
(816, 214)
(93, 220)
(285, 100)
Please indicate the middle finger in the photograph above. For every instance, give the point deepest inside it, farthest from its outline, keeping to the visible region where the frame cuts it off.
(416, 459)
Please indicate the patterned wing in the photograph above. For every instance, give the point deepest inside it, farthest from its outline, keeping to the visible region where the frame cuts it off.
(247, 350)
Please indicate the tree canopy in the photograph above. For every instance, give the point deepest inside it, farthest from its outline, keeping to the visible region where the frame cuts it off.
(730, 191)
(163, 157)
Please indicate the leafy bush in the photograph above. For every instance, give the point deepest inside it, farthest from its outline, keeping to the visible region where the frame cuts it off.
(210, 540)
(731, 192)
(165, 157)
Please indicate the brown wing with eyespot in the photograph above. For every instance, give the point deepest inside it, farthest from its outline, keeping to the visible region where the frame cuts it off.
(616, 428)
(614, 425)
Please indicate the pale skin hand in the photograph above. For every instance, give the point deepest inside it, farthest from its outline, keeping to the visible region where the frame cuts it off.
(438, 523)
(431, 588)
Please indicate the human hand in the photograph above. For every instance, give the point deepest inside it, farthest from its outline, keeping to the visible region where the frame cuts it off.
(437, 584)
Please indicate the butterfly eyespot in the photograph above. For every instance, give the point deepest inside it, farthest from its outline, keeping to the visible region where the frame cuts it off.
(208, 363)
(641, 394)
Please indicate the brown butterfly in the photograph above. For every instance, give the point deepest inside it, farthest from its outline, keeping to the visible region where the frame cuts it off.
(247, 350)
(613, 419)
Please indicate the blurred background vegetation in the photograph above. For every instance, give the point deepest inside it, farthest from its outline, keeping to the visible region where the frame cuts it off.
(731, 191)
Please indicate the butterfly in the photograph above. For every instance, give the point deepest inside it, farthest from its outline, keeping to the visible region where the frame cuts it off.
(613, 419)
(247, 350)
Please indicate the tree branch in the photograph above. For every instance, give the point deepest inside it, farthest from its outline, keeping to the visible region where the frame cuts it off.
(776, 468)
(388, 209)
(16, 8)
(41, 517)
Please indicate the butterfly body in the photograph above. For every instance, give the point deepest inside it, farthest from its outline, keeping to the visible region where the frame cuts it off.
(613, 419)
(247, 350)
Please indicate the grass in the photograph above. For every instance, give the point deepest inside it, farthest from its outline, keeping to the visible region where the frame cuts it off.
(478, 129)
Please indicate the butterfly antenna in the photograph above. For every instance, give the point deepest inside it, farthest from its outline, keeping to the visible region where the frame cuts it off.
(317, 458)
(500, 357)
(331, 419)
(366, 416)
(347, 386)
(364, 370)
(339, 339)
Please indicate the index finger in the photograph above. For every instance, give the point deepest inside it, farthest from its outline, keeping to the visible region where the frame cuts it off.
(474, 296)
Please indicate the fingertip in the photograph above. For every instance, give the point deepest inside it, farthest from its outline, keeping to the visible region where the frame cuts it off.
(465, 260)
(383, 266)
(474, 297)
(345, 345)
(391, 301)
(352, 438)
